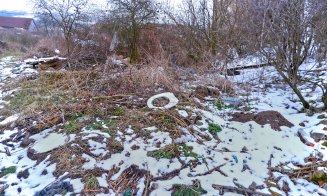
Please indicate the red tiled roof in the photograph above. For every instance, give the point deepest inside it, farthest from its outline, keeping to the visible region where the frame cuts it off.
(15, 22)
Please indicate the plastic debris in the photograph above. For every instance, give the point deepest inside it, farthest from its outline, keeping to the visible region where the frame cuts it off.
(305, 138)
(170, 96)
(235, 158)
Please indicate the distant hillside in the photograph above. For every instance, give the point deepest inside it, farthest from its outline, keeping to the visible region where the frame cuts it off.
(13, 13)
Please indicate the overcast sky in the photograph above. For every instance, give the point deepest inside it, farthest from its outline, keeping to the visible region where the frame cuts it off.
(26, 6)
(15, 5)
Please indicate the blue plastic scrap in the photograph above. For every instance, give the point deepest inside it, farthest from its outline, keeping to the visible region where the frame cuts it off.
(235, 158)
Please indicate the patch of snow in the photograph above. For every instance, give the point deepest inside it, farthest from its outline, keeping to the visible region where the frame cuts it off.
(9, 119)
(97, 148)
(153, 128)
(78, 185)
(103, 180)
(183, 113)
(141, 186)
(129, 130)
(91, 162)
(89, 133)
(37, 60)
(50, 142)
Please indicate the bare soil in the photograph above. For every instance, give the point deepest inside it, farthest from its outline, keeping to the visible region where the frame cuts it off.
(275, 119)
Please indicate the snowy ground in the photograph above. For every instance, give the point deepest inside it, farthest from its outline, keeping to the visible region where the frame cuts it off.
(240, 155)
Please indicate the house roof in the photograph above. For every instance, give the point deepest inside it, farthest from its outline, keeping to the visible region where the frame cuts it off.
(15, 22)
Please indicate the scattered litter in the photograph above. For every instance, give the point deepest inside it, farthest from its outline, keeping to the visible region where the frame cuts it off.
(58, 186)
(173, 101)
(46, 63)
(235, 158)
(252, 142)
(234, 101)
(305, 138)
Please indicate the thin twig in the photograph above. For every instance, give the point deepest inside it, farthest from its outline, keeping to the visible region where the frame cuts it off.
(212, 170)
(238, 190)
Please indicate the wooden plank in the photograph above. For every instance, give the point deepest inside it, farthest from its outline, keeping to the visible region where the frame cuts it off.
(249, 67)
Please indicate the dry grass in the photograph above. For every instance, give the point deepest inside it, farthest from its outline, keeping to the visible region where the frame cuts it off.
(216, 81)
(68, 159)
(127, 181)
(143, 77)
(92, 91)
(169, 121)
(45, 47)
(16, 41)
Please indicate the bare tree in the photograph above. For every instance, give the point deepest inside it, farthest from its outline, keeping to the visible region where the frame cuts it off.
(65, 14)
(287, 38)
(46, 25)
(212, 30)
(320, 28)
(194, 22)
(129, 17)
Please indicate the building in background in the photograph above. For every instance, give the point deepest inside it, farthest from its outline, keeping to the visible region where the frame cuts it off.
(27, 24)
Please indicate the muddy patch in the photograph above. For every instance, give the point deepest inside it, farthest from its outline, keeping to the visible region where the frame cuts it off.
(275, 119)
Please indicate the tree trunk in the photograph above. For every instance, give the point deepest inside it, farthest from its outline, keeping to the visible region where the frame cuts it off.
(134, 51)
(324, 100)
(214, 28)
(305, 104)
(67, 40)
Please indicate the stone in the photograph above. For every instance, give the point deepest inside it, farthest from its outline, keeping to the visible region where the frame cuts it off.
(244, 149)
(302, 124)
(44, 172)
(206, 91)
(199, 123)
(232, 101)
(84, 119)
(154, 186)
(318, 136)
(135, 147)
(23, 174)
(304, 137)
(323, 122)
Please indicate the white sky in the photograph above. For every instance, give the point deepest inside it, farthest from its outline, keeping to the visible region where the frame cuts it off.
(15, 5)
(25, 5)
